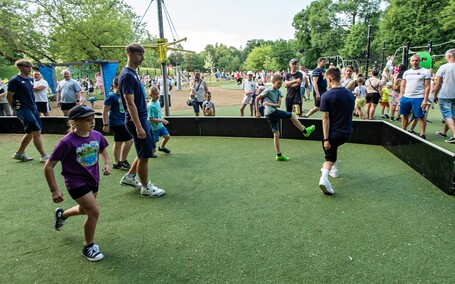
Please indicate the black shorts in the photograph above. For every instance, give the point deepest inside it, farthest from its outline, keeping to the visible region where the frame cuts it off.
(121, 134)
(372, 98)
(317, 103)
(43, 107)
(67, 106)
(331, 154)
(290, 102)
(76, 193)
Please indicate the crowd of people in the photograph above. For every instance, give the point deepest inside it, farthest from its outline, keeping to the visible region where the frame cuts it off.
(134, 114)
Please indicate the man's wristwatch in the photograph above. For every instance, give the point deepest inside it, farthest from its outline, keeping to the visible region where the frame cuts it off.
(105, 124)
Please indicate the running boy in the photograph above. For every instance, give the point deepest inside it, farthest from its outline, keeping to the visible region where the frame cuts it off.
(156, 120)
(272, 101)
(79, 152)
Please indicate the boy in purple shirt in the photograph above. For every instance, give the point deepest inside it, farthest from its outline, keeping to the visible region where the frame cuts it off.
(79, 152)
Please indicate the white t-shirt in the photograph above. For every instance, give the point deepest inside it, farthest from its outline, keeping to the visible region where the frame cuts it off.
(161, 84)
(41, 96)
(302, 84)
(415, 82)
(360, 91)
(248, 86)
(447, 72)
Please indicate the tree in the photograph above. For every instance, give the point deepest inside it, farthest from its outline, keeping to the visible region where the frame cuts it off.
(260, 58)
(283, 51)
(208, 62)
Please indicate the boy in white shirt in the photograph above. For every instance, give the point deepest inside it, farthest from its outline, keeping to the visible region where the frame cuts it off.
(249, 88)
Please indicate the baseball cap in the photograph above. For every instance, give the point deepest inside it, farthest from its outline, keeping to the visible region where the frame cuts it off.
(81, 111)
(293, 60)
(249, 73)
(389, 83)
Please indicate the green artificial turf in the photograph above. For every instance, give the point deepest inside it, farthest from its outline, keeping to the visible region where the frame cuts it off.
(232, 214)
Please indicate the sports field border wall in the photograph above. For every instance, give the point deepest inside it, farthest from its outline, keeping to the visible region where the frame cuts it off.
(431, 161)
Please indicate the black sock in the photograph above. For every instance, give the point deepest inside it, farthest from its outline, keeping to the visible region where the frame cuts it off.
(304, 131)
(279, 154)
(87, 246)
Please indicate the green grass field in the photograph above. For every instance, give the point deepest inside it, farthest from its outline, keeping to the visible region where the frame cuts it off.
(233, 214)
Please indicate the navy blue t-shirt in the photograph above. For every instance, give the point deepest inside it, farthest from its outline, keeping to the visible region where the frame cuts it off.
(129, 83)
(22, 88)
(339, 103)
(117, 111)
(322, 82)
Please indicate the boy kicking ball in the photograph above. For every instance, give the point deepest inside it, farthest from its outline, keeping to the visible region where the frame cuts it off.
(272, 100)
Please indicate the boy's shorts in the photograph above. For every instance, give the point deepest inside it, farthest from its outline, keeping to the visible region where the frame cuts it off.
(385, 104)
(275, 117)
(360, 102)
(30, 119)
(76, 193)
(331, 154)
(408, 104)
(247, 99)
(447, 108)
(160, 133)
(144, 147)
(43, 107)
(121, 134)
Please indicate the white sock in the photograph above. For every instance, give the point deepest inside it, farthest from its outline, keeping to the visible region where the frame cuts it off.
(334, 166)
(325, 173)
(131, 175)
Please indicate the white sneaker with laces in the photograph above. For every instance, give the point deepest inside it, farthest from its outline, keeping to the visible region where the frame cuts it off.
(44, 159)
(22, 157)
(326, 187)
(151, 190)
(333, 173)
(126, 180)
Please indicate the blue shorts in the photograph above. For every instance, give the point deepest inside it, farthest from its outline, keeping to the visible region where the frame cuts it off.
(30, 119)
(406, 104)
(275, 117)
(196, 105)
(144, 147)
(160, 133)
(447, 108)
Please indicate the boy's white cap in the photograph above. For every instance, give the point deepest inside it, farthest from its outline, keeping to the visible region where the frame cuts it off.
(389, 83)
(249, 73)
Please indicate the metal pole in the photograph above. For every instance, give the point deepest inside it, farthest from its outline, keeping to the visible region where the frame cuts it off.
(383, 51)
(163, 64)
(406, 54)
(368, 50)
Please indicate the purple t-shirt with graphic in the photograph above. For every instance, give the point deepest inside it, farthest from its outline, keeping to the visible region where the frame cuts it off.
(79, 157)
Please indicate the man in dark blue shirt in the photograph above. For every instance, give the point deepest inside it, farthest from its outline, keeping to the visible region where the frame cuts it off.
(337, 106)
(136, 122)
(319, 85)
(22, 100)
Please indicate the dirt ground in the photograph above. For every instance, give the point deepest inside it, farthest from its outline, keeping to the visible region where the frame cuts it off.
(222, 97)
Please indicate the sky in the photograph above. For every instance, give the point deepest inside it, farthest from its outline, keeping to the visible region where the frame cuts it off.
(230, 22)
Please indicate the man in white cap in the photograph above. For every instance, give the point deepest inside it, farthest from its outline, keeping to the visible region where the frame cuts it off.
(249, 88)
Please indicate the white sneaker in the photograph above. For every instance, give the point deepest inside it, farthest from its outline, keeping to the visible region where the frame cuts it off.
(126, 180)
(44, 159)
(325, 186)
(333, 173)
(151, 190)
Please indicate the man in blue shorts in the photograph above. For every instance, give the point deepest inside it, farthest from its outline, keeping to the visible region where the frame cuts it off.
(136, 122)
(22, 100)
(337, 106)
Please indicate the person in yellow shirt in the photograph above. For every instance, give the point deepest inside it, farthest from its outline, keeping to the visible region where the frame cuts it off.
(386, 91)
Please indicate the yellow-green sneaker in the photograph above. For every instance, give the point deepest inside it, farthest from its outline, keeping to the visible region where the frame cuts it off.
(309, 130)
(281, 158)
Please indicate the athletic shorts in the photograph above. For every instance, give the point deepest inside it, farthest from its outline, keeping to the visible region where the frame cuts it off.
(385, 104)
(67, 106)
(290, 102)
(30, 119)
(372, 98)
(359, 102)
(275, 117)
(144, 147)
(331, 154)
(447, 108)
(160, 133)
(317, 103)
(414, 104)
(247, 99)
(76, 193)
(120, 133)
(43, 107)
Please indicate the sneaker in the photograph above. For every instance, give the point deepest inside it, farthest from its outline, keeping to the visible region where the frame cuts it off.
(309, 130)
(165, 150)
(154, 156)
(130, 181)
(383, 116)
(386, 115)
(44, 159)
(333, 173)
(423, 137)
(116, 166)
(451, 140)
(126, 164)
(92, 253)
(326, 187)
(59, 219)
(412, 132)
(22, 157)
(439, 133)
(121, 166)
(399, 119)
(152, 191)
(281, 158)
